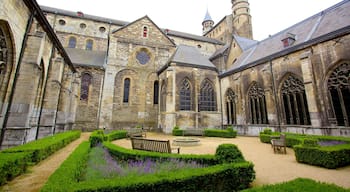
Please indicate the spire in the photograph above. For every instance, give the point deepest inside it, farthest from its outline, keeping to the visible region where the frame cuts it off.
(207, 17)
(207, 23)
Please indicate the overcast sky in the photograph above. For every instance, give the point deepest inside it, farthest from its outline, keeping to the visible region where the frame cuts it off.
(268, 16)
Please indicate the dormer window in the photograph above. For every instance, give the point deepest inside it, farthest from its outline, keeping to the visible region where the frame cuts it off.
(288, 40)
(145, 32)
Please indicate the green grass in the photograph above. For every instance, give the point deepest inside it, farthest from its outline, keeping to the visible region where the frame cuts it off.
(299, 185)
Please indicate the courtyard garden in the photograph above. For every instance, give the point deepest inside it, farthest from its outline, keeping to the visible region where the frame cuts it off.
(106, 162)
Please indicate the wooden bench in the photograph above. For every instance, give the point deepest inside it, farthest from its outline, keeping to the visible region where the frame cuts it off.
(152, 145)
(279, 143)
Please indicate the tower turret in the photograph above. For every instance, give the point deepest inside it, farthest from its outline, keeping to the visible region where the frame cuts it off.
(241, 18)
(207, 23)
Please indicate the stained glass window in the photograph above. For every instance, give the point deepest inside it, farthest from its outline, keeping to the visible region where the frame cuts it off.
(185, 96)
(89, 44)
(207, 97)
(155, 92)
(72, 42)
(142, 57)
(85, 85)
(126, 90)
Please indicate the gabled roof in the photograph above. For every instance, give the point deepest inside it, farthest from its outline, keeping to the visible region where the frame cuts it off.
(87, 58)
(244, 43)
(193, 37)
(190, 57)
(220, 52)
(326, 25)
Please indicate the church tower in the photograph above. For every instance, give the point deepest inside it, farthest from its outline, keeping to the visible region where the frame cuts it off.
(207, 23)
(242, 19)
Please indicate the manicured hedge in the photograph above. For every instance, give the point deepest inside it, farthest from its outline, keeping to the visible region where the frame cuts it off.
(220, 133)
(299, 184)
(119, 134)
(330, 157)
(97, 137)
(12, 165)
(42, 148)
(220, 177)
(70, 171)
(307, 149)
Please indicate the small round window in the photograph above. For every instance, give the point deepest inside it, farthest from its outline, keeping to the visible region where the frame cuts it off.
(62, 22)
(143, 57)
(102, 29)
(82, 25)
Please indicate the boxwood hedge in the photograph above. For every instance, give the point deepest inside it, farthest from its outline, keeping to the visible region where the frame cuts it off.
(12, 165)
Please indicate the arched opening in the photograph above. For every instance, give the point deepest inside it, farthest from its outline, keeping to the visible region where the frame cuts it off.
(72, 43)
(230, 107)
(126, 90)
(257, 105)
(155, 92)
(339, 94)
(294, 102)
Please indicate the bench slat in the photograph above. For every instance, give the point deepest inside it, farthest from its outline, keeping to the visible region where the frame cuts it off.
(152, 145)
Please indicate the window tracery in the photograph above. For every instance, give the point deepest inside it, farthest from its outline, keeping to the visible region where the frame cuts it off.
(339, 94)
(86, 79)
(126, 90)
(230, 107)
(207, 97)
(185, 95)
(257, 105)
(294, 102)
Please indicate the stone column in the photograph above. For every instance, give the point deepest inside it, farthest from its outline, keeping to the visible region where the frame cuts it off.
(310, 89)
(170, 116)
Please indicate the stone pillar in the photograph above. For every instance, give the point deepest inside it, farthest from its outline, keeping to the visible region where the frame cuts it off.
(170, 116)
(310, 89)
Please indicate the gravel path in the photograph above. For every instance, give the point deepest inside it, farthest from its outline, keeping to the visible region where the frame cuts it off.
(37, 175)
(269, 167)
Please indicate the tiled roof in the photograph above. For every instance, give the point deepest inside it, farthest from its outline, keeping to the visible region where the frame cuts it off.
(86, 57)
(306, 32)
(188, 55)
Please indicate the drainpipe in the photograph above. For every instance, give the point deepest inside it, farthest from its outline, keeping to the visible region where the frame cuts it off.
(46, 80)
(12, 92)
(276, 98)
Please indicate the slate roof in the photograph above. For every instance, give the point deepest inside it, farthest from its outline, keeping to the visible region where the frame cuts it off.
(244, 43)
(88, 58)
(190, 57)
(328, 24)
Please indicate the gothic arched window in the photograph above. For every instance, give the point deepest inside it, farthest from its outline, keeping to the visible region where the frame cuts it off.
(185, 95)
(294, 102)
(257, 105)
(89, 44)
(230, 107)
(339, 94)
(163, 92)
(207, 97)
(86, 79)
(155, 92)
(126, 90)
(72, 42)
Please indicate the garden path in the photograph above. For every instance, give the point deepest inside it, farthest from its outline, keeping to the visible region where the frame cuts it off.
(37, 175)
(270, 168)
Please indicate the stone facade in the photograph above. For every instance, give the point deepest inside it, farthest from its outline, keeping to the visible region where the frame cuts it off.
(63, 70)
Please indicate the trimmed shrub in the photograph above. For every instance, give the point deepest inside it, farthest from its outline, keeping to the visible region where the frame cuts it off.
(267, 131)
(12, 165)
(329, 157)
(119, 134)
(177, 131)
(70, 171)
(299, 184)
(228, 153)
(310, 142)
(228, 133)
(97, 137)
(42, 148)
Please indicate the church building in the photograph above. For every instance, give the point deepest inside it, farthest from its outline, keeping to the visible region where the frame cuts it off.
(62, 70)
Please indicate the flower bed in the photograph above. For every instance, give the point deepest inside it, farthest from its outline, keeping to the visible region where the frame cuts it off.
(213, 176)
